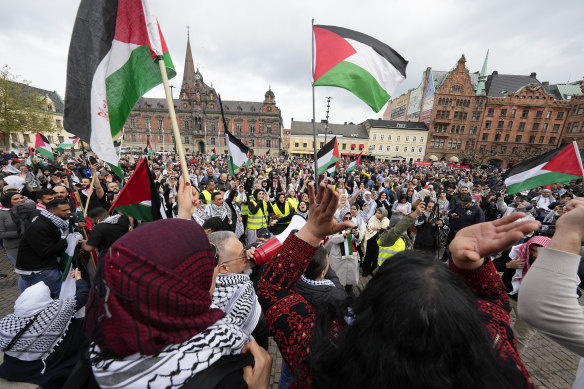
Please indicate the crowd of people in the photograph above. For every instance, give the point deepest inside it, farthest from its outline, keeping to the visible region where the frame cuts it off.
(404, 275)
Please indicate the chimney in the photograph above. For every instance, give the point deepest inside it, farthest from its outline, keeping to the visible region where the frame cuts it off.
(533, 75)
(546, 83)
(495, 72)
(345, 123)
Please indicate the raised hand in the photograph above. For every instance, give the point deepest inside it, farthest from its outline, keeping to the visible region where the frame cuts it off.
(473, 243)
(187, 199)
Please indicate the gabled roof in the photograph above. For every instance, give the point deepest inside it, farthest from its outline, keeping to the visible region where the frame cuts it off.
(53, 95)
(397, 125)
(356, 131)
(500, 85)
(228, 106)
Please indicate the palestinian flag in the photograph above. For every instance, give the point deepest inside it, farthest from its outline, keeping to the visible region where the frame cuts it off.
(117, 169)
(237, 153)
(213, 154)
(148, 148)
(71, 142)
(348, 244)
(353, 165)
(113, 60)
(139, 198)
(333, 169)
(29, 160)
(268, 153)
(43, 147)
(366, 67)
(327, 156)
(559, 165)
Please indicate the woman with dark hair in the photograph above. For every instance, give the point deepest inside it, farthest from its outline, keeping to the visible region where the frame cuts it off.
(12, 225)
(417, 324)
(383, 202)
(302, 209)
(283, 212)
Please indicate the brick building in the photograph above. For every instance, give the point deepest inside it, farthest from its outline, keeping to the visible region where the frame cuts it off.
(574, 127)
(257, 123)
(520, 120)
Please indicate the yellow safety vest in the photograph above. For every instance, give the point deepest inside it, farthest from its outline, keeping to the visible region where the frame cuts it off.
(207, 196)
(293, 201)
(279, 213)
(259, 219)
(244, 208)
(388, 252)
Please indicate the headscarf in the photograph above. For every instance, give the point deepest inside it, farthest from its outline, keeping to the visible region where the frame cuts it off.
(521, 252)
(155, 294)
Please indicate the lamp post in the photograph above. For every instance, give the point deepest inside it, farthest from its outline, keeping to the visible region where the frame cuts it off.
(328, 105)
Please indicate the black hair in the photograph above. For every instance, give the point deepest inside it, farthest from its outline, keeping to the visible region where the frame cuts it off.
(54, 204)
(215, 194)
(6, 200)
(44, 192)
(214, 224)
(317, 265)
(415, 325)
(97, 212)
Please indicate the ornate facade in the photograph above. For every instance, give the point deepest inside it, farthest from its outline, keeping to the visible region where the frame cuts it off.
(257, 124)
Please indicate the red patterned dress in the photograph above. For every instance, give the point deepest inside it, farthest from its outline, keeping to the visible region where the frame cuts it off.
(291, 317)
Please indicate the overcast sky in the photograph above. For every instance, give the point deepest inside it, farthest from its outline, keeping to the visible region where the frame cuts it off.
(242, 47)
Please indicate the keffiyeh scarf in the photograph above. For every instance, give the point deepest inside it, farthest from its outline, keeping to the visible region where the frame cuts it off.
(111, 219)
(61, 224)
(521, 253)
(323, 282)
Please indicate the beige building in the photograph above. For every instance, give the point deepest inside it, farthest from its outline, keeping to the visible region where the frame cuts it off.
(396, 140)
(352, 139)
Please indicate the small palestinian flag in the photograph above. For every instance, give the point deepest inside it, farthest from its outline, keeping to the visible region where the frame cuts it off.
(29, 161)
(43, 147)
(71, 142)
(559, 165)
(333, 169)
(213, 154)
(139, 197)
(113, 60)
(353, 165)
(327, 156)
(148, 148)
(348, 244)
(366, 67)
(237, 153)
(268, 152)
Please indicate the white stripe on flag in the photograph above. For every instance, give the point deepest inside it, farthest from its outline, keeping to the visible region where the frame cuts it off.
(520, 177)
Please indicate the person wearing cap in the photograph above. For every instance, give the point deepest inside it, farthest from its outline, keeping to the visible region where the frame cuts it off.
(463, 215)
(9, 189)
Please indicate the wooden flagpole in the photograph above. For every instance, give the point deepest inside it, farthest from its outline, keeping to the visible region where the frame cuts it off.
(314, 115)
(93, 174)
(171, 112)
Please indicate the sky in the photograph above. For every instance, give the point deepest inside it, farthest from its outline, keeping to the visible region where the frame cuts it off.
(244, 47)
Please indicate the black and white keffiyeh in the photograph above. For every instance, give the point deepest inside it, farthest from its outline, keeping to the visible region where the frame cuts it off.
(111, 219)
(175, 364)
(61, 224)
(323, 282)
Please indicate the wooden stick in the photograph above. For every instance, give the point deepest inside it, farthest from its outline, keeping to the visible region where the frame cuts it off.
(94, 173)
(171, 112)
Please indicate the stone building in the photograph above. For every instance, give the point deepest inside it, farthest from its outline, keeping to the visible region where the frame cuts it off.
(397, 140)
(257, 123)
(574, 124)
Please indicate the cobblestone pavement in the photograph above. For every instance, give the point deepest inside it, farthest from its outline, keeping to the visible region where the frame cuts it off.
(550, 365)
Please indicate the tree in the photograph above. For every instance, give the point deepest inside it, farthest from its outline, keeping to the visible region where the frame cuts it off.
(22, 107)
(475, 157)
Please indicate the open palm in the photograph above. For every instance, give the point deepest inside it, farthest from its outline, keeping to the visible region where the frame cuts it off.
(473, 243)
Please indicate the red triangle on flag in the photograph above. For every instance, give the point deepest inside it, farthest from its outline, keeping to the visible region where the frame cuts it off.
(331, 49)
(566, 161)
(336, 150)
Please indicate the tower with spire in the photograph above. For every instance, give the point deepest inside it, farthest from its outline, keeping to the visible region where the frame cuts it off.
(480, 89)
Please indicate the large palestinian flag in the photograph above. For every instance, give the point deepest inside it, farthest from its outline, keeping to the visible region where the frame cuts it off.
(112, 62)
(139, 197)
(327, 156)
(559, 165)
(237, 153)
(43, 147)
(368, 68)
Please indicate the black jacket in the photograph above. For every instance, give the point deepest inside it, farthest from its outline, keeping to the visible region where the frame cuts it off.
(318, 294)
(40, 246)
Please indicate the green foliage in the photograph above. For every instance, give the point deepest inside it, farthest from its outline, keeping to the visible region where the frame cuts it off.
(22, 109)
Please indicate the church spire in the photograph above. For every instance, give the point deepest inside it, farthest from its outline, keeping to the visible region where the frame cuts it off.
(189, 71)
(483, 77)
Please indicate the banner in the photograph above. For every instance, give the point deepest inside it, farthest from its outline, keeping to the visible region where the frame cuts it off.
(423, 163)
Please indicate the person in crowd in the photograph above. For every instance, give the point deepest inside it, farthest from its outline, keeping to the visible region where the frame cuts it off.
(209, 185)
(42, 244)
(259, 214)
(382, 201)
(15, 216)
(315, 345)
(106, 230)
(213, 224)
(43, 197)
(400, 208)
(428, 227)
(96, 195)
(283, 212)
(465, 214)
(42, 338)
(302, 209)
(343, 254)
(547, 298)
(375, 226)
(137, 341)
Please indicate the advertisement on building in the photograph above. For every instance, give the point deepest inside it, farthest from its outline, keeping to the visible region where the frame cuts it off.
(426, 115)
(399, 112)
(415, 103)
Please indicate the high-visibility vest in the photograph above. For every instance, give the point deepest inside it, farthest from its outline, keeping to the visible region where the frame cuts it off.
(259, 219)
(244, 208)
(293, 201)
(207, 196)
(388, 252)
(279, 213)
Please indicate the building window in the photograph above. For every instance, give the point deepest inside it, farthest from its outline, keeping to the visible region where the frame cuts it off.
(212, 126)
(548, 115)
(493, 148)
(539, 114)
(374, 136)
(575, 127)
(304, 145)
(381, 136)
(132, 122)
(514, 150)
(556, 128)
(187, 140)
(421, 139)
(132, 137)
(535, 127)
(160, 123)
(504, 112)
(544, 128)
(517, 138)
(581, 109)
(552, 140)
(560, 116)
(509, 126)
(405, 149)
(497, 137)
(503, 149)
(420, 149)
(147, 122)
(500, 125)
(541, 138)
(487, 124)
(252, 128)
(491, 112)
(268, 128)
(27, 138)
(212, 141)
(456, 88)
(407, 138)
(268, 143)
(396, 148)
(524, 113)
(252, 142)
(521, 126)
(399, 138)
(442, 143)
(344, 147)
(506, 137)
(475, 116)
(388, 148)
(296, 144)
(389, 137)
(532, 139)
(513, 113)
(482, 147)
(380, 147)
(414, 139)
(238, 128)
(485, 136)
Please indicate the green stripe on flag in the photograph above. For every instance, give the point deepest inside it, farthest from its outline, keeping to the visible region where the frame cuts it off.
(138, 211)
(541, 180)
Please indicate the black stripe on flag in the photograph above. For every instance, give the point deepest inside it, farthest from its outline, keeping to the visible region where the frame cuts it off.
(236, 142)
(533, 162)
(330, 146)
(381, 48)
(93, 34)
